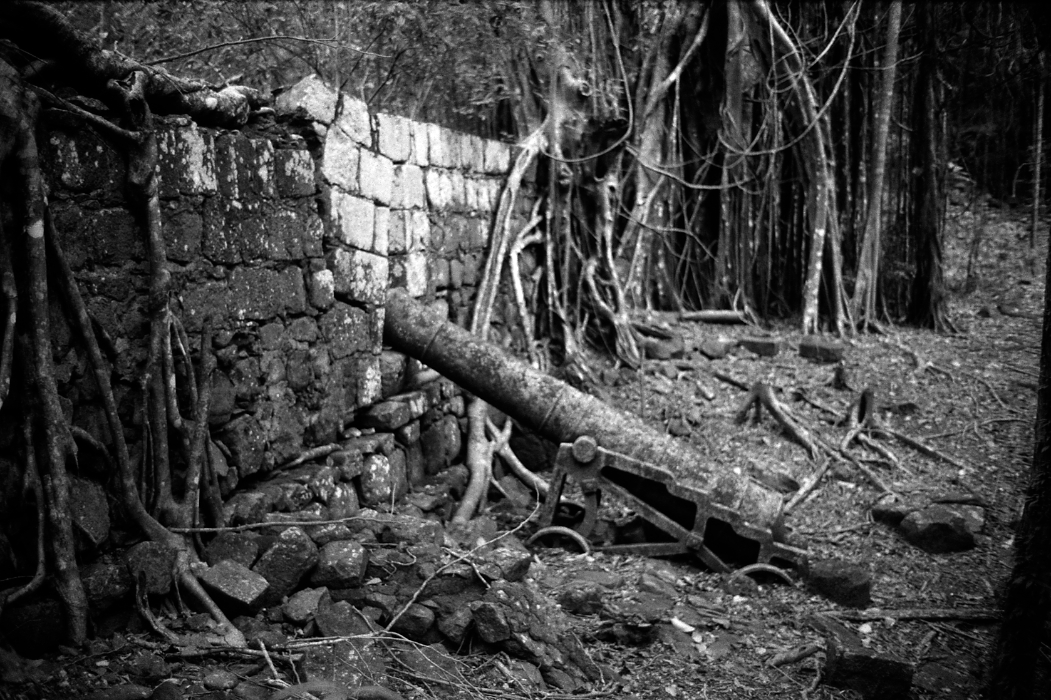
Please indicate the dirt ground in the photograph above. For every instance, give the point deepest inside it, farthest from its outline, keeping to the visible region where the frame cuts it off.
(969, 395)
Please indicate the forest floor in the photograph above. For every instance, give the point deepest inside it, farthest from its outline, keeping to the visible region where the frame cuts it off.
(969, 395)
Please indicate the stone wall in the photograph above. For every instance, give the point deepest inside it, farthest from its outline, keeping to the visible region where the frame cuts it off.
(288, 233)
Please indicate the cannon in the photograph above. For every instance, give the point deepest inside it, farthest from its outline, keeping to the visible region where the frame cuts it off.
(725, 518)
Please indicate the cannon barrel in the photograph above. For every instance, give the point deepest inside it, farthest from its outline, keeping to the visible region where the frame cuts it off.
(560, 412)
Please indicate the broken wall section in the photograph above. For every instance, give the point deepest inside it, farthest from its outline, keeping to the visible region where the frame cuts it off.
(288, 234)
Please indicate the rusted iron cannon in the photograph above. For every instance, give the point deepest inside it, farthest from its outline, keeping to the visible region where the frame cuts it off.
(669, 482)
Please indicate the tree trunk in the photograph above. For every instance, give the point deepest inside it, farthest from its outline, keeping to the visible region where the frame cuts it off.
(1038, 154)
(1019, 667)
(927, 299)
(864, 301)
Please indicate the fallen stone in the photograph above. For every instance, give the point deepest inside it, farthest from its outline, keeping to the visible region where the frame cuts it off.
(764, 347)
(343, 503)
(820, 349)
(241, 547)
(663, 348)
(90, 510)
(381, 480)
(391, 528)
(386, 415)
(581, 598)
(490, 621)
(841, 582)
(454, 625)
(106, 582)
(441, 443)
(151, 563)
(715, 349)
(849, 665)
(651, 583)
(415, 622)
(938, 529)
(348, 463)
(511, 564)
(285, 563)
(527, 675)
(245, 508)
(302, 605)
(341, 564)
(235, 584)
(891, 513)
(329, 532)
(219, 680)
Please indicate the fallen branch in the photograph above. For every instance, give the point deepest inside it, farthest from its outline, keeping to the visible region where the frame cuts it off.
(713, 316)
(922, 448)
(793, 655)
(724, 377)
(963, 614)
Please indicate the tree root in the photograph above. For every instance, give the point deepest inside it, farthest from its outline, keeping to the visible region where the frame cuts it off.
(762, 396)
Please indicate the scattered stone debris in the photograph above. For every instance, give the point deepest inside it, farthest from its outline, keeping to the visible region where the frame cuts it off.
(821, 349)
(842, 582)
(763, 347)
(940, 528)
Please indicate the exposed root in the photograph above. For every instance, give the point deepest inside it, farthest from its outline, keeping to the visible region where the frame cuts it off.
(761, 396)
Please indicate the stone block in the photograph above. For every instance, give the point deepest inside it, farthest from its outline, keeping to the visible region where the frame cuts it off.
(819, 349)
(353, 220)
(850, 665)
(106, 582)
(240, 547)
(454, 148)
(302, 605)
(386, 415)
(437, 149)
(394, 138)
(321, 289)
(243, 438)
(497, 157)
(291, 557)
(420, 234)
(458, 190)
(90, 510)
(354, 120)
(359, 275)
(383, 479)
(186, 161)
(345, 328)
(841, 582)
(472, 154)
(381, 232)
(764, 347)
(340, 160)
(376, 176)
(236, 585)
(369, 381)
(418, 136)
(285, 232)
(415, 622)
(408, 190)
(417, 402)
(260, 168)
(341, 564)
(222, 230)
(311, 98)
(258, 294)
(439, 188)
(441, 443)
(938, 529)
(294, 173)
(183, 230)
(416, 274)
(152, 563)
(84, 163)
(343, 503)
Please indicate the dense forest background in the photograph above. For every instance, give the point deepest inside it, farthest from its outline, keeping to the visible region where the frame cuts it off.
(703, 150)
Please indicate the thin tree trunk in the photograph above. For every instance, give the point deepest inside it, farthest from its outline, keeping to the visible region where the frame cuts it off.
(1018, 663)
(1038, 153)
(864, 301)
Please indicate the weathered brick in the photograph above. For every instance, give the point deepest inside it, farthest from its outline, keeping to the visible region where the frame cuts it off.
(436, 146)
(186, 160)
(226, 164)
(360, 275)
(321, 289)
(339, 160)
(376, 176)
(416, 273)
(453, 148)
(369, 380)
(381, 231)
(408, 190)
(472, 155)
(259, 170)
(84, 163)
(201, 299)
(294, 173)
(311, 97)
(393, 135)
(355, 121)
(257, 294)
(286, 231)
(497, 157)
(457, 183)
(418, 135)
(346, 328)
(252, 238)
(399, 233)
(420, 237)
(438, 196)
(183, 230)
(354, 220)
